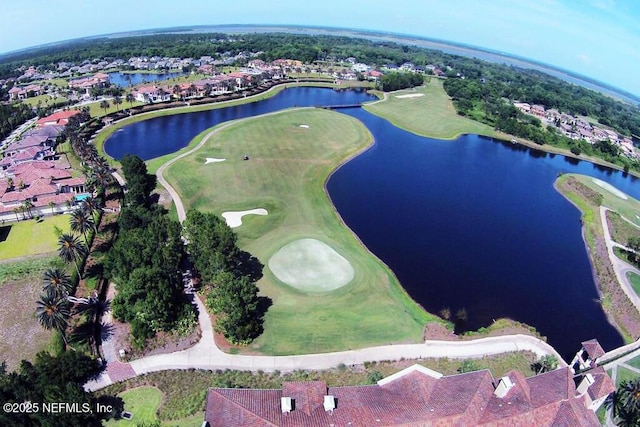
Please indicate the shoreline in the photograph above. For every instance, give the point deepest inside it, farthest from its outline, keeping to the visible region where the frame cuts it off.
(608, 287)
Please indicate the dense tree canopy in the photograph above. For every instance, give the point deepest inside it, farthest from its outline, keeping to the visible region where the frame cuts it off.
(145, 260)
(50, 379)
(233, 294)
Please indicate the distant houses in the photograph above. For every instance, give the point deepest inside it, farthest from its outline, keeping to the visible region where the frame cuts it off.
(33, 178)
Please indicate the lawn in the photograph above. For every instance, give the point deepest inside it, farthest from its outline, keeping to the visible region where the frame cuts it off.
(625, 374)
(21, 336)
(32, 237)
(142, 402)
(285, 175)
(432, 114)
(635, 284)
(44, 101)
(95, 110)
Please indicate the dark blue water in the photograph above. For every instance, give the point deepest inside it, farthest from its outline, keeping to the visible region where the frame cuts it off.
(470, 224)
(122, 79)
(164, 135)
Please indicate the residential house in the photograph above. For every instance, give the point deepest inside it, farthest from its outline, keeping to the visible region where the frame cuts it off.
(418, 396)
(20, 93)
(60, 118)
(151, 94)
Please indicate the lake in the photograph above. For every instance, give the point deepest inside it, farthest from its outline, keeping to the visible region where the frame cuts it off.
(471, 224)
(129, 79)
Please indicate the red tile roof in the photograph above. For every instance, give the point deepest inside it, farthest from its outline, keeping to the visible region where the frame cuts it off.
(61, 118)
(413, 397)
(593, 348)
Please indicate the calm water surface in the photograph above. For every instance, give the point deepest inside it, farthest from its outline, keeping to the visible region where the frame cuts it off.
(470, 224)
(128, 79)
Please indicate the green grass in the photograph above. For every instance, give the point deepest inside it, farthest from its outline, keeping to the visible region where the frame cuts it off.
(635, 284)
(431, 115)
(625, 374)
(32, 238)
(285, 175)
(153, 164)
(142, 402)
(630, 208)
(635, 362)
(44, 101)
(95, 110)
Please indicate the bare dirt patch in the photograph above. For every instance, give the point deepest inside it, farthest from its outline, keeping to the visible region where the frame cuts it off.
(21, 336)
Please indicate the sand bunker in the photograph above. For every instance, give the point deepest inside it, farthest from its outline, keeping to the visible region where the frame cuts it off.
(304, 126)
(411, 95)
(311, 266)
(234, 219)
(213, 160)
(610, 188)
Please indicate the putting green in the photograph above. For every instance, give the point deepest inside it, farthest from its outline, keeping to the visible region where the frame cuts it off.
(311, 266)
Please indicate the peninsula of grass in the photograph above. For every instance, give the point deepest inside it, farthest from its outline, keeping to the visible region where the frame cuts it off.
(428, 111)
(31, 237)
(291, 155)
(106, 132)
(587, 196)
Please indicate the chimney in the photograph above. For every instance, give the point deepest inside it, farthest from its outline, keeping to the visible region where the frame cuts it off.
(329, 403)
(286, 404)
(504, 385)
(584, 384)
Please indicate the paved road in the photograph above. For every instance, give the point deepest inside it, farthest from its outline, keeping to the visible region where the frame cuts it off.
(620, 267)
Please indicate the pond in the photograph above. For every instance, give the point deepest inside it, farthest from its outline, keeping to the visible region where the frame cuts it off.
(473, 225)
(129, 79)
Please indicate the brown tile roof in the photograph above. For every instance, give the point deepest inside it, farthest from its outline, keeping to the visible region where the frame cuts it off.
(593, 348)
(411, 398)
(603, 384)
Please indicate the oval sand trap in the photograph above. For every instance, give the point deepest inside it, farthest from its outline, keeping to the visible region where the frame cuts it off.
(311, 266)
(234, 219)
(610, 188)
(213, 160)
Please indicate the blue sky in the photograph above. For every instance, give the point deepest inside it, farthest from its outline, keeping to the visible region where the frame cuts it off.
(597, 38)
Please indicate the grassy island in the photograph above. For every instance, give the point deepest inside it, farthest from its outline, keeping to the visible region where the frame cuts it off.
(290, 156)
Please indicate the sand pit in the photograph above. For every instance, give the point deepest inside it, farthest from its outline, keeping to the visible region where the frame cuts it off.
(311, 266)
(610, 188)
(234, 219)
(213, 160)
(410, 95)
(304, 126)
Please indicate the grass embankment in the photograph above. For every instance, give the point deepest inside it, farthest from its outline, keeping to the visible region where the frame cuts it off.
(21, 336)
(431, 115)
(634, 279)
(285, 174)
(31, 237)
(185, 391)
(587, 197)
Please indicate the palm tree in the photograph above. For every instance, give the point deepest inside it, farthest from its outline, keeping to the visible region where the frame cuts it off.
(624, 403)
(71, 250)
(57, 281)
(117, 100)
(91, 205)
(81, 221)
(27, 206)
(53, 312)
(104, 104)
(130, 98)
(52, 205)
